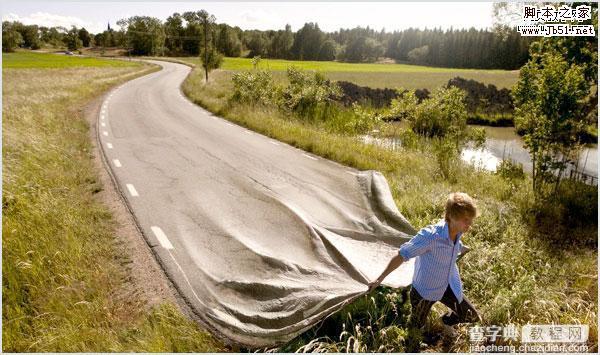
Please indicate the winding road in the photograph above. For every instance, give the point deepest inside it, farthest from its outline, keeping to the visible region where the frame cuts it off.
(263, 240)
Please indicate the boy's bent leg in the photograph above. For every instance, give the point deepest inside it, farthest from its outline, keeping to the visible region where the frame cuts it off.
(420, 308)
(462, 312)
(418, 316)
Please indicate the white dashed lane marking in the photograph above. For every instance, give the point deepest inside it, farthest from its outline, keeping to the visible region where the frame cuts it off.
(105, 133)
(132, 190)
(162, 237)
(109, 145)
(308, 156)
(117, 163)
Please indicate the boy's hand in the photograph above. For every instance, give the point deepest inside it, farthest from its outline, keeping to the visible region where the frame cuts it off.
(373, 285)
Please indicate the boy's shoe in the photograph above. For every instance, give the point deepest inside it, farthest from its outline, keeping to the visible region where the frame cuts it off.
(450, 318)
(431, 338)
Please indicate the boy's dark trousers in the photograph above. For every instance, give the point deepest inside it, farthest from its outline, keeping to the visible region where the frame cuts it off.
(462, 312)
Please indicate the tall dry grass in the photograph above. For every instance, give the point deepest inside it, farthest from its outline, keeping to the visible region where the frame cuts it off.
(65, 276)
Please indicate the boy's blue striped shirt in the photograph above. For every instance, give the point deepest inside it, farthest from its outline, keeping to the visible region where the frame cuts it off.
(435, 264)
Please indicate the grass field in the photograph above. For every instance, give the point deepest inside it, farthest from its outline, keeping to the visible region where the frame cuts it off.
(377, 75)
(65, 278)
(49, 60)
(514, 275)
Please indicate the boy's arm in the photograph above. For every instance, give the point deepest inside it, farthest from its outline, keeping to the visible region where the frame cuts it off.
(392, 265)
(418, 245)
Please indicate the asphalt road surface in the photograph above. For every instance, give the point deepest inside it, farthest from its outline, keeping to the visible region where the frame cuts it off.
(263, 240)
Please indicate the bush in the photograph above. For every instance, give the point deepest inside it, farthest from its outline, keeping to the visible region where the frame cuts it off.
(443, 114)
(363, 120)
(510, 170)
(255, 87)
(447, 155)
(404, 107)
(307, 94)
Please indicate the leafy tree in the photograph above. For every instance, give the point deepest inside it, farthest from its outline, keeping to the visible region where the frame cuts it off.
(282, 43)
(145, 35)
(99, 39)
(11, 38)
(549, 108)
(258, 45)
(228, 42)
(71, 39)
(418, 55)
(85, 37)
(53, 35)
(30, 35)
(307, 42)
(174, 32)
(328, 50)
(555, 103)
(209, 56)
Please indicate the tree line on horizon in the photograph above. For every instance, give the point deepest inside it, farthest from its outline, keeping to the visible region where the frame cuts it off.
(183, 35)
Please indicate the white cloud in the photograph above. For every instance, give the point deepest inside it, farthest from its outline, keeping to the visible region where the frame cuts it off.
(51, 20)
(258, 19)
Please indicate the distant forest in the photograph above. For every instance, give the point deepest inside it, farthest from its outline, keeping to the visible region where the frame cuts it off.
(182, 35)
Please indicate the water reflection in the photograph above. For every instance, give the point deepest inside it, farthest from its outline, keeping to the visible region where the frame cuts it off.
(501, 143)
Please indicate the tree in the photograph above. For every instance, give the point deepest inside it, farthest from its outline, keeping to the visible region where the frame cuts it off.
(555, 103)
(30, 35)
(228, 42)
(549, 109)
(71, 39)
(145, 35)
(209, 56)
(307, 42)
(85, 37)
(53, 35)
(258, 45)
(282, 43)
(418, 55)
(11, 38)
(328, 50)
(174, 32)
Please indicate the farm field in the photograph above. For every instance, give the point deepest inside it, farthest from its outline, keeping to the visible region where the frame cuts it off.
(376, 75)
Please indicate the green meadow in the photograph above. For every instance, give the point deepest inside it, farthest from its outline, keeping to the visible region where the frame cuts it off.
(50, 60)
(375, 75)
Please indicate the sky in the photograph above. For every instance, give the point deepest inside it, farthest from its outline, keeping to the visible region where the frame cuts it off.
(330, 16)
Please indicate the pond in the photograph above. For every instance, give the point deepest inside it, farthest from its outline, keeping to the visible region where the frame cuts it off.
(504, 143)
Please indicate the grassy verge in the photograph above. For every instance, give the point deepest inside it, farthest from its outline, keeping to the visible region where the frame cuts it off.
(64, 274)
(514, 275)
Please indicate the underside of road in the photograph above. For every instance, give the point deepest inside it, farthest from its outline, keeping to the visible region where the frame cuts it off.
(262, 240)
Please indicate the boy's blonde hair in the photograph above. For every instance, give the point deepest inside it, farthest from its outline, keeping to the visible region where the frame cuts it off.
(460, 204)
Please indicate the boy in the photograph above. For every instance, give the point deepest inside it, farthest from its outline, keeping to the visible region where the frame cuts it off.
(436, 278)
